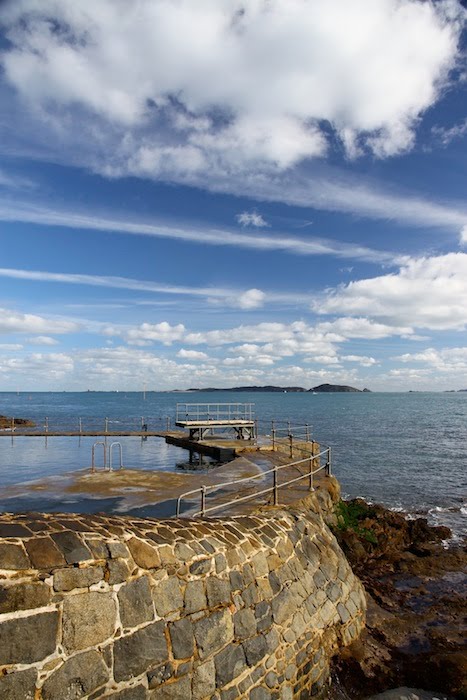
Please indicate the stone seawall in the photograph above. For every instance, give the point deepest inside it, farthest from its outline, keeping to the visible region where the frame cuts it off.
(131, 609)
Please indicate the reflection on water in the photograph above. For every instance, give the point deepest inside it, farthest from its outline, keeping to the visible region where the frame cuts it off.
(24, 459)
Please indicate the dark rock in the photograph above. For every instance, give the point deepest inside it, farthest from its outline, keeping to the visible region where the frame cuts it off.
(195, 597)
(71, 547)
(77, 677)
(135, 602)
(260, 693)
(12, 556)
(204, 680)
(67, 579)
(140, 651)
(18, 686)
(203, 566)
(23, 596)
(25, 640)
(255, 649)
(229, 663)
(244, 623)
(14, 530)
(88, 619)
(218, 591)
(167, 596)
(43, 553)
(181, 636)
(118, 571)
(213, 632)
(160, 674)
(137, 692)
(177, 690)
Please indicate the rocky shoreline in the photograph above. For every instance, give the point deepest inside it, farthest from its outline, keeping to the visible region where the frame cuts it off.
(416, 586)
(7, 423)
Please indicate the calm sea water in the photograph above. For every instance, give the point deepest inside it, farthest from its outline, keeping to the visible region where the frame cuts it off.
(406, 450)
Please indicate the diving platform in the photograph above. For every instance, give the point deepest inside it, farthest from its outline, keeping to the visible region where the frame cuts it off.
(203, 419)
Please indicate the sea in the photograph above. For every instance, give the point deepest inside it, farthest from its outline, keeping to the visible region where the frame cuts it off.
(407, 451)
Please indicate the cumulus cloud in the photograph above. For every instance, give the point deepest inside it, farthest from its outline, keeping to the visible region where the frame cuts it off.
(192, 354)
(16, 322)
(362, 360)
(251, 218)
(251, 299)
(445, 360)
(185, 88)
(429, 292)
(159, 332)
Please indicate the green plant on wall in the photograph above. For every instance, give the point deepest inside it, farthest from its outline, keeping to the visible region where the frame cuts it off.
(349, 515)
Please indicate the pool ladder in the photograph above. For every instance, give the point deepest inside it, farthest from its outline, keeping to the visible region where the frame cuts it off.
(107, 449)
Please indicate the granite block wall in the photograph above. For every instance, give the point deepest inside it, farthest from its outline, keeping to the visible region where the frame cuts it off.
(131, 609)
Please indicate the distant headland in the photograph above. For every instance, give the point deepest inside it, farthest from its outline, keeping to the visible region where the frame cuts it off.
(321, 389)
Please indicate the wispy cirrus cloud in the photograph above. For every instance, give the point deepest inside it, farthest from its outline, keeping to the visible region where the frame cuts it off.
(37, 214)
(17, 322)
(237, 298)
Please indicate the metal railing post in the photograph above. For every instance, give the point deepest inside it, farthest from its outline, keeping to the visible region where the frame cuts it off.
(46, 424)
(310, 474)
(327, 469)
(80, 425)
(288, 427)
(12, 424)
(275, 489)
(168, 423)
(203, 500)
(106, 425)
(307, 432)
(291, 444)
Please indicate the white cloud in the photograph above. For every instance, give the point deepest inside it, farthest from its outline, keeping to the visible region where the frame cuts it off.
(349, 327)
(251, 299)
(42, 340)
(445, 360)
(223, 86)
(192, 355)
(159, 332)
(127, 368)
(362, 360)
(16, 322)
(446, 135)
(426, 293)
(251, 218)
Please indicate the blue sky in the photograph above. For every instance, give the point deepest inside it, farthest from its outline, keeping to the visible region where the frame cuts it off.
(215, 194)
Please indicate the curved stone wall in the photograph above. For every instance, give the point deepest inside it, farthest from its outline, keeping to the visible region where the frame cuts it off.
(124, 608)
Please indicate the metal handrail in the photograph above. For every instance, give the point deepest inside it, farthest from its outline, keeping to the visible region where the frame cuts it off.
(212, 487)
(120, 453)
(93, 464)
(212, 411)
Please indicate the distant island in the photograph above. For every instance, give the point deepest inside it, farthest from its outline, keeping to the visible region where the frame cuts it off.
(322, 388)
(334, 388)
